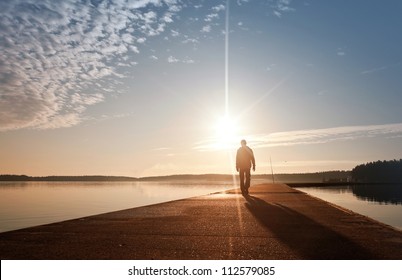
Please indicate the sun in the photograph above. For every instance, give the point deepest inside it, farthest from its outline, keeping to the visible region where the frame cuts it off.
(226, 133)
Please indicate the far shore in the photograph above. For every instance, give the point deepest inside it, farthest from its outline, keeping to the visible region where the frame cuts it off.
(297, 180)
(317, 177)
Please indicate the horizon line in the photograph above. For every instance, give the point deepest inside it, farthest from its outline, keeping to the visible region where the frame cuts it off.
(162, 176)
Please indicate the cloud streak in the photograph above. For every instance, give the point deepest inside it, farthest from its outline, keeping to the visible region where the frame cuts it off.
(317, 136)
(313, 136)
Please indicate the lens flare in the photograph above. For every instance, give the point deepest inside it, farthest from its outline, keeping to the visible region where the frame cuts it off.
(226, 133)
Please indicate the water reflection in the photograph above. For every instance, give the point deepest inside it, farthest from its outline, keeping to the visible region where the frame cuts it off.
(380, 202)
(25, 204)
(387, 194)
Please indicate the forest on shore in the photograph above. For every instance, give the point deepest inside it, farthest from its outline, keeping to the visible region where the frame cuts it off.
(378, 172)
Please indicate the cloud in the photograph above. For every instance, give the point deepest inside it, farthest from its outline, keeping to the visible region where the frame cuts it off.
(175, 33)
(278, 14)
(57, 56)
(317, 136)
(172, 59)
(381, 68)
(240, 2)
(212, 18)
(190, 40)
(340, 52)
(281, 6)
(218, 8)
(106, 117)
(206, 29)
(141, 40)
(374, 70)
(270, 67)
(313, 136)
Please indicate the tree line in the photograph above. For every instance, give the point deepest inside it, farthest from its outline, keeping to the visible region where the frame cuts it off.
(378, 172)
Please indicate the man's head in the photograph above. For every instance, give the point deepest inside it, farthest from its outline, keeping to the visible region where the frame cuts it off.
(243, 143)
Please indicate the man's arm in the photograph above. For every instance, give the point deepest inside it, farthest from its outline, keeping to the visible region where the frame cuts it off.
(237, 161)
(253, 159)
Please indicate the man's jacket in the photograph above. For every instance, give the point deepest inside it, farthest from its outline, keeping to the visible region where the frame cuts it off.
(245, 158)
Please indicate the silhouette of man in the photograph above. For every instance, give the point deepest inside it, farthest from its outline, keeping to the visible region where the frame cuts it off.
(244, 160)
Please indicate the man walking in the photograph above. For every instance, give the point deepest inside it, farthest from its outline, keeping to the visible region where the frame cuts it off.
(244, 160)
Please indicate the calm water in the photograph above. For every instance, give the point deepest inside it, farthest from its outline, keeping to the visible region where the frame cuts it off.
(379, 202)
(26, 204)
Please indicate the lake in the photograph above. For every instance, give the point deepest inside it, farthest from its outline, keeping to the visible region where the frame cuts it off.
(379, 202)
(26, 204)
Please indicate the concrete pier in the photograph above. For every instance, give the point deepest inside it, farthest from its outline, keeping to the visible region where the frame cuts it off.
(274, 222)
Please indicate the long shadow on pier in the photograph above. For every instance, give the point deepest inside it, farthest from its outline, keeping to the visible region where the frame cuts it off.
(303, 235)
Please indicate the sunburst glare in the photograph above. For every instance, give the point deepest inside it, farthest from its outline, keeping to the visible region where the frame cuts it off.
(226, 133)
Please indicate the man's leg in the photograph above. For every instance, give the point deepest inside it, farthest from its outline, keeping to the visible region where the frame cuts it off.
(248, 179)
(241, 175)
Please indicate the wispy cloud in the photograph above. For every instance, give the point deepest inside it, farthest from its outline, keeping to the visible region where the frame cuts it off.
(381, 68)
(206, 29)
(313, 136)
(172, 59)
(211, 17)
(316, 136)
(240, 2)
(218, 8)
(340, 52)
(58, 55)
(281, 6)
(374, 70)
(106, 117)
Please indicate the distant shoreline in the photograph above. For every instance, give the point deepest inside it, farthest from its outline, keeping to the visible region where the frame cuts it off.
(327, 176)
(373, 172)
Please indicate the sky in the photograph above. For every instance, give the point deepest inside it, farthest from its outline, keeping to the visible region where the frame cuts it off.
(158, 87)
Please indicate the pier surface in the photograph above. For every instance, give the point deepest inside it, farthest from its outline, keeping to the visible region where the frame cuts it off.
(274, 222)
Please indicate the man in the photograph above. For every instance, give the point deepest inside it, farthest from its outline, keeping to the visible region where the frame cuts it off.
(244, 160)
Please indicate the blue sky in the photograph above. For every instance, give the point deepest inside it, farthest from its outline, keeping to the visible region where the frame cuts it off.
(138, 88)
